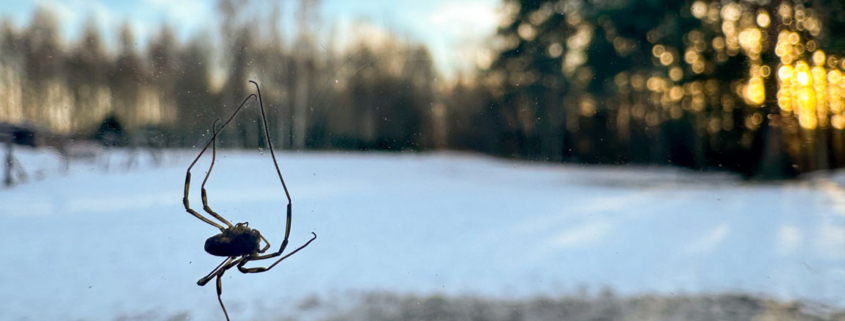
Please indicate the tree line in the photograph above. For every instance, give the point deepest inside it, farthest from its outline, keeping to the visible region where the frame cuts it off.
(364, 96)
(749, 86)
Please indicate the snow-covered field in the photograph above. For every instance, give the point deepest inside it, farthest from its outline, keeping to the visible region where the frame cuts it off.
(91, 244)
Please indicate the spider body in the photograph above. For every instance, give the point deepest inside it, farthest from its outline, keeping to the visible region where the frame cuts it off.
(239, 243)
(234, 241)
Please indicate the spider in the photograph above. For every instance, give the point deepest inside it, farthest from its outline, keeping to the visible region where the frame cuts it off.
(238, 243)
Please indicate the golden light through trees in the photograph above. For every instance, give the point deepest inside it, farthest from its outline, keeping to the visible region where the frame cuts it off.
(810, 82)
(810, 85)
(705, 83)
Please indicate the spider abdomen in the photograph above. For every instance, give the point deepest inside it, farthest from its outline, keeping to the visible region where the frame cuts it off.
(234, 241)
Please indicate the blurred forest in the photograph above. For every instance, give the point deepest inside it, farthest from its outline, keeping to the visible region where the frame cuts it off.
(754, 87)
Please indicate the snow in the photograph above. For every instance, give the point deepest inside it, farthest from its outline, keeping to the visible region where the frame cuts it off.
(96, 244)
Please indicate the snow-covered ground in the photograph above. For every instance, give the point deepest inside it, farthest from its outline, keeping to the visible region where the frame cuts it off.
(98, 244)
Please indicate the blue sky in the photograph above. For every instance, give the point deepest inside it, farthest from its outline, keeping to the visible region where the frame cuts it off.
(455, 31)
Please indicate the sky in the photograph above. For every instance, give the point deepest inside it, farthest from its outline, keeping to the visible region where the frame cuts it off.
(455, 31)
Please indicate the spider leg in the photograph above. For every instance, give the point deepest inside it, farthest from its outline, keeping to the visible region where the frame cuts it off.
(207, 174)
(264, 249)
(219, 271)
(220, 292)
(208, 277)
(188, 205)
(268, 256)
(188, 174)
(278, 171)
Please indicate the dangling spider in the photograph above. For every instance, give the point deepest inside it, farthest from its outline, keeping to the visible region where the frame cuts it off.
(238, 243)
